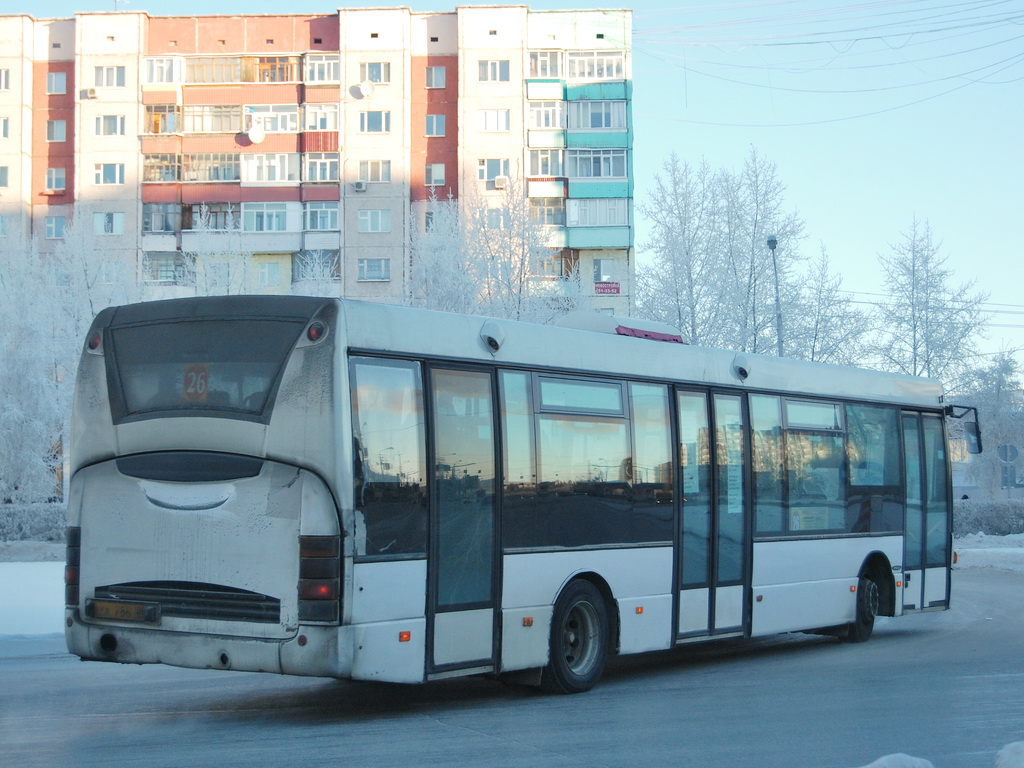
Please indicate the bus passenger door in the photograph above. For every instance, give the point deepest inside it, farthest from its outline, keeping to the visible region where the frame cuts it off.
(714, 533)
(463, 571)
(927, 545)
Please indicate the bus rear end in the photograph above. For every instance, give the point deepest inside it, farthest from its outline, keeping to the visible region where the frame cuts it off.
(203, 525)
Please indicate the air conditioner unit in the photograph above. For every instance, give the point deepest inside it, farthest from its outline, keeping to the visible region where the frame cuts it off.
(500, 182)
(359, 186)
(90, 93)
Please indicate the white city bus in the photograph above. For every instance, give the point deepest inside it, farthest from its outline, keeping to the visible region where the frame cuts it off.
(323, 487)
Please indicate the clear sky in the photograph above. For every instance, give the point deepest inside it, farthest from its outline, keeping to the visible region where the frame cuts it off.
(875, 111)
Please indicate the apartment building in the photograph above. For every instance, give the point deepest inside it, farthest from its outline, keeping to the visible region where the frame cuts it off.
(313, 143)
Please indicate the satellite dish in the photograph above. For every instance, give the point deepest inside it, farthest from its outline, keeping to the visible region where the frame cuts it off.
(365, 89)
(256, 133)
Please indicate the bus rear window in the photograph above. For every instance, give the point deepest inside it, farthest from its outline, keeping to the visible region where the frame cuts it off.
(230, 367)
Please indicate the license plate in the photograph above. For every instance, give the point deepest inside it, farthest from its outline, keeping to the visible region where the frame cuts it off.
(122, 610)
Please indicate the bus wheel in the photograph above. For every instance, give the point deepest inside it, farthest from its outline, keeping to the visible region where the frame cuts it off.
(579, 640)
(867, 609)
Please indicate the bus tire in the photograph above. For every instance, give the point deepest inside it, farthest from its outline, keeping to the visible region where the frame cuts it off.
(867, 609)
(579, 640)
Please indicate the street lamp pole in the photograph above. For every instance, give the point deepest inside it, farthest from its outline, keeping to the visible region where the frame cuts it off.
(773, 242)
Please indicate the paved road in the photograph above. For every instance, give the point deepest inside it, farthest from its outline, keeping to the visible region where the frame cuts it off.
(948, 687)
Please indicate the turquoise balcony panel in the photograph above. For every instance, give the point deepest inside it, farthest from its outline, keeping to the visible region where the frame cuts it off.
(598, 139)
(600, 237)
(612, 89)
(597, 188)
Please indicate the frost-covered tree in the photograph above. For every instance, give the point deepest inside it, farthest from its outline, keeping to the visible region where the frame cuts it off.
(218, 263)
(713, 275)
(927, 326)
(317, 272)
(829, 329)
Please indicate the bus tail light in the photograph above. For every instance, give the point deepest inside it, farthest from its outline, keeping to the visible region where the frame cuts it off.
(319, 578)
(72, 562)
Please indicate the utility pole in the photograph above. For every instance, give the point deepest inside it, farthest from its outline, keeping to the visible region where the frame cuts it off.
(773, 242)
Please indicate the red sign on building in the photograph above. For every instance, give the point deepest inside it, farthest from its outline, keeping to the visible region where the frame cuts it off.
(606, 288)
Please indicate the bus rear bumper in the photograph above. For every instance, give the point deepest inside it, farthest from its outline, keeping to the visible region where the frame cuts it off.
(312, 651)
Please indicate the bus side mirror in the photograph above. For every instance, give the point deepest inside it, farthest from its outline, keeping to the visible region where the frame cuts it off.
(972, 434)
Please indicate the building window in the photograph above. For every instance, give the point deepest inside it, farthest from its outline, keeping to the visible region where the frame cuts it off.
(493, 71)
(375, 170)
(321, 216)
(493, 120)
(4, 127)
(597, 115)
(282, 167)
(548, 211)
(435, 77)
(158, 167)
(108, 223)
(316, 265)
(321, 166)
(213, 217)
(273, 118)
(3, 176)
(545, 63)
(269, 273)
(604, 270)
(277, 69)
(321, 117)
(598, 212)
(164, 268)
(56, 130)
(373, 221)
(545, 162)
(112, 173)
(493, 218)
(375, 72)
(213, 69)
(110, 125)
(54, 227)
(373, 270)
(264, 217)
(434, 174)
(56, 83)
(212, 166)
(163, 70)
(56, 179)
(489, 170)
(213, 119)
(161, 217)
(5, 79)
(596, 65)
(595, 163)
(545, 115)
(323, 68)
(374, 122)
(559, 263)
(435, 125)
(109, 77)
(162, 118)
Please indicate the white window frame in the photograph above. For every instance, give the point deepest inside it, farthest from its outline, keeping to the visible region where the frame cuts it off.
(164, 69)
(112, 171)
(373, 270)
(322, 166)
(273, 118)
(548, 211)
(606, 162)
(109, 77)
(271, 168)
(56, 179)
(320, 216)
(56, 83)
(5, 79)
(115, 121)
(547, 162)
(595, 65)
(320, 117)
(597, 212)
(367, 122)
(375, 221)
(5, 127)
(375, 171)
(323, 68)
(545, 64)
(108, 223)
(494, 120)
(493, 70)
(433, 175)
(488, 169)
(546, 115)
(4, 177)
(56, 131)
(435, 126)
(269, 273)
(265, 217)
(55, 227)
(377, 72)
(611, 114)
(211, 118)
(436, 77)
(604, 270)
